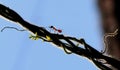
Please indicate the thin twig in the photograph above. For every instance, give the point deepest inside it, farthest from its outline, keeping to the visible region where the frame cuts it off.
(11, 28)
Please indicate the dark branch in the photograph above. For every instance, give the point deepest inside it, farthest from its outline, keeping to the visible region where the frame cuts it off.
(65, 42)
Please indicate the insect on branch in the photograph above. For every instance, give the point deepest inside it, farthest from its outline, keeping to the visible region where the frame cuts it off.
(60, 40)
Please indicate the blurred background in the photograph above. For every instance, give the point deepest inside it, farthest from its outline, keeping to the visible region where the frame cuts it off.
(78, 18)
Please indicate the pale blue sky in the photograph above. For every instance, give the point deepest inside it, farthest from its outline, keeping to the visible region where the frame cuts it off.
(78, 18)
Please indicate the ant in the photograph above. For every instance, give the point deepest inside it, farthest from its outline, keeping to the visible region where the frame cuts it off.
(55, 29)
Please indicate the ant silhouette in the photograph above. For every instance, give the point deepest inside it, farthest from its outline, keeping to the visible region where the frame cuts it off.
(55, 29)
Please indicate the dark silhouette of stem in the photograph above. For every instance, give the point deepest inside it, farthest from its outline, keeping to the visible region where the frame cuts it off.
(62, 41)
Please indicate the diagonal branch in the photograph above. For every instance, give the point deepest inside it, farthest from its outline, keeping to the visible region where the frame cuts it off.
(66, 42)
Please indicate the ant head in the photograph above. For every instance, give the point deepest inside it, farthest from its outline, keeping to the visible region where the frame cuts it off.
(51, 26)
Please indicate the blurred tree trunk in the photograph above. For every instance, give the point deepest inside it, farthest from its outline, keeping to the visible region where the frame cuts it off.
(110, 11)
